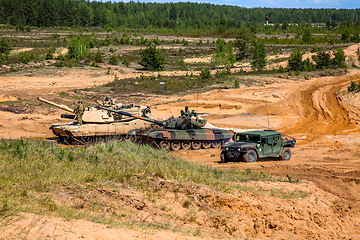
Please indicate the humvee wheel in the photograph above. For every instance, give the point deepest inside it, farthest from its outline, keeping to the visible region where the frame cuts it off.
(250, 156)
(164, 145)
(216, 143)
(175, 145)
(285, 154)
(186, 145)
(196, 145)
(206, 144)
(224, 157)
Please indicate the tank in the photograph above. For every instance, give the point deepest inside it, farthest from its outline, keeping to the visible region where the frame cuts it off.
(99, 124)
(185, 132)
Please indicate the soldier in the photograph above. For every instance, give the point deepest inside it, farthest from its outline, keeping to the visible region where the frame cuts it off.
(186, 113)
(107, 102)
(79, 112)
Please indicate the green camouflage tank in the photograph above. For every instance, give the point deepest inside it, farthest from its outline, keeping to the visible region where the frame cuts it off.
(185, 132)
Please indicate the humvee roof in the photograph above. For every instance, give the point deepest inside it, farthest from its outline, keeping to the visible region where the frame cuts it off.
(261, 132)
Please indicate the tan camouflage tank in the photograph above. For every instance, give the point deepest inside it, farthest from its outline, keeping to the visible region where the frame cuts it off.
(98, 124)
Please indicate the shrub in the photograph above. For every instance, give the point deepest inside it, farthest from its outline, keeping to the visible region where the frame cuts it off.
(98, 57)
(322, 59)
(339, 58)
(24, 57)
(113, 60)
(152, 58)
(126, 61)
(354, 87)
(205, 73)
(295, 60)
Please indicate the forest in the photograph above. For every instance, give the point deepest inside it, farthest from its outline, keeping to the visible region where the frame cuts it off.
(170, 17)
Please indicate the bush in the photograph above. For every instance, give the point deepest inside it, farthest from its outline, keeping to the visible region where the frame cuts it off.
(152, 58)
(24, 57)
(5, 49)
(126, 61)
(113, 60)
(339, 58)
(295, 62)
(205, 73)
(98, 57)
(236, 83)
(322, 59)
(354, 87)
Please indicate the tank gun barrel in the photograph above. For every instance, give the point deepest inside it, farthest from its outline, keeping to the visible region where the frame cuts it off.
(160, 123)
(61, 106)
(68, 116)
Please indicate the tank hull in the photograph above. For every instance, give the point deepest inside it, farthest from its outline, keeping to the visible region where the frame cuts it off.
(75, 133)
(195, 139)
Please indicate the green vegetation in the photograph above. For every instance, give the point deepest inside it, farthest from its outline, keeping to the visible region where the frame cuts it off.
(152, 58)
(30, 169)
(354, 87)
(5, 49)
(258, 57)
(182, 18)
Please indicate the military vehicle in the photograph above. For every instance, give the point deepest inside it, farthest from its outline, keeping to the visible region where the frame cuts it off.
(258, 144)
(98, 124)
(185, 132)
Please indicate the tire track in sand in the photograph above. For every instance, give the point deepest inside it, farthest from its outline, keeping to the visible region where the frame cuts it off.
(321, 112)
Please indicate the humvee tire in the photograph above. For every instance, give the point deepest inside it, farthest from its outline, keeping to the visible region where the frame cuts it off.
(285, 154)
(250, 156)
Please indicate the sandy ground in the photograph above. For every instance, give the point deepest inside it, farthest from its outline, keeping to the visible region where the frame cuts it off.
(317, 112)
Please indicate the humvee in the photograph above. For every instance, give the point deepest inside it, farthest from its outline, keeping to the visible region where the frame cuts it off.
(258, 144)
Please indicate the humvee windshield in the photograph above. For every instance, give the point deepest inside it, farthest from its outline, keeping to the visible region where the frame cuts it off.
(247, 138)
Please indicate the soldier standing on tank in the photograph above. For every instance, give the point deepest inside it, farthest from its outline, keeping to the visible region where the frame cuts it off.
(79, 112)
(187, 112)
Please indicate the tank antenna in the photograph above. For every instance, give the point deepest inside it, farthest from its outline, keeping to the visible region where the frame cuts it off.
(197, 101)
(267, 113)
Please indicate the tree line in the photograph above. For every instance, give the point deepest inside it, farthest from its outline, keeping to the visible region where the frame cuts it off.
(202, 16)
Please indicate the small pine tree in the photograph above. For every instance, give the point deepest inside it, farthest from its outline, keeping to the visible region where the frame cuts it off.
(113, 60)
(258, 61)
(339, 58)
(322, 59)
(205, 73)
(98, 57)
(152, 58)
(236, 83)
(295, 60)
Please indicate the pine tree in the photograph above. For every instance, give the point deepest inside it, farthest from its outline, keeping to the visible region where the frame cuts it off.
(152, 58)
(258, 61)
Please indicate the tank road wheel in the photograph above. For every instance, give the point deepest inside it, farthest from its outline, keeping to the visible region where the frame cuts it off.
(216, 143)
(285, 154)
(186, 145)
(175, 145)
(164, 145)
(196, 145)
(250, 156)
(206, 144)
(130, 138)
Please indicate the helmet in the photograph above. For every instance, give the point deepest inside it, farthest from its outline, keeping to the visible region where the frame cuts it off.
(186, 108)
(80, 101)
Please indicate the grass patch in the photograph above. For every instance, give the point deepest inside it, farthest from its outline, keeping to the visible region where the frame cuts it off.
(36, 175)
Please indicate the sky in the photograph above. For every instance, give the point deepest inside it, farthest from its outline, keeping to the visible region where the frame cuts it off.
(348, 4)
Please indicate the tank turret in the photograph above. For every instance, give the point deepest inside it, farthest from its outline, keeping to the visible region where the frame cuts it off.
(183, 122)
(185, 132)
